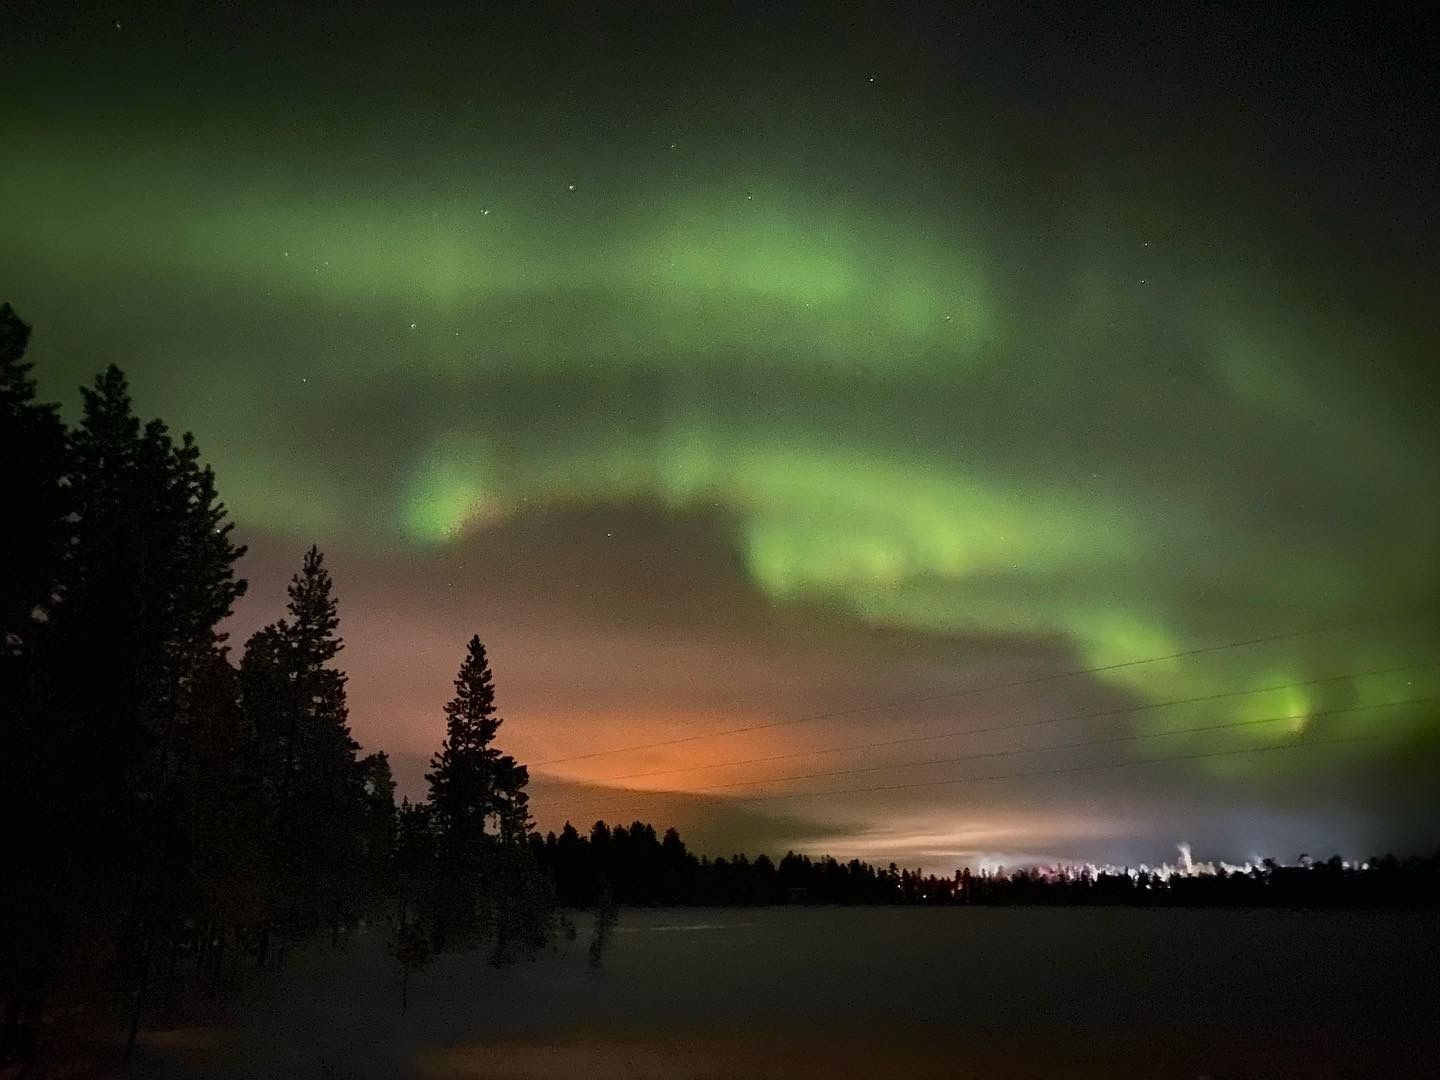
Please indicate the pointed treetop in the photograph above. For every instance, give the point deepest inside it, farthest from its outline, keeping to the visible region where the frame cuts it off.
(111, 388)
(109, 421)
(313, 609)
(470, 719)
(16, 385)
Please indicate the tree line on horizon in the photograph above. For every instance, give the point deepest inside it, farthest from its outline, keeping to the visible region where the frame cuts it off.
(172, 813)
(640, 869)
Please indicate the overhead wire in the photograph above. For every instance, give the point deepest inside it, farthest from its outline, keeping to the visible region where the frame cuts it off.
(658, 796)
(1018, 726)
(968, 691)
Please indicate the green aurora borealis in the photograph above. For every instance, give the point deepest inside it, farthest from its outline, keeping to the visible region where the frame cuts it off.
(930, 346)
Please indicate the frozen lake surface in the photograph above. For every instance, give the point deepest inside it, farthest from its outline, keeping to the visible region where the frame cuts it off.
(867, 991)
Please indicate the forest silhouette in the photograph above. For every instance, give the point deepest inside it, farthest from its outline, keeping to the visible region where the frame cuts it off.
(175, 812)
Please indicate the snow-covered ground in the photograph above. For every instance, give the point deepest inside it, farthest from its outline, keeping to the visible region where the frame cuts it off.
(865, 992)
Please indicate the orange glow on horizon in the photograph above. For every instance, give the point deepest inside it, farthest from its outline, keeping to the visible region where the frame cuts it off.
(650, 767)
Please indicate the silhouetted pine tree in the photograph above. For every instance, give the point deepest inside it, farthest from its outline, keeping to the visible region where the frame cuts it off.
(148, 572)
(33, 464)
(463, 797)
(314, 785)
(486, 877)
(33, 536)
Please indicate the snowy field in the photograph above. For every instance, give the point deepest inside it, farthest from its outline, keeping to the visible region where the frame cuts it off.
(865, 992)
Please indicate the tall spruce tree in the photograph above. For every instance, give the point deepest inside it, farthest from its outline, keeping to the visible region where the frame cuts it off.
(150, 574)
(34, 531)
(33, 465)
(315, 786)
(129, 621)
(487, 881)
(463, 797)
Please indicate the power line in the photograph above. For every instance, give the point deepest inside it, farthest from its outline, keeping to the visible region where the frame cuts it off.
(966, 691)
(780, 796)
(954, 733)
(1111, 740)
(1295, 745)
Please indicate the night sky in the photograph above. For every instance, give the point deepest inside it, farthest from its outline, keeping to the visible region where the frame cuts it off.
(810, 372)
